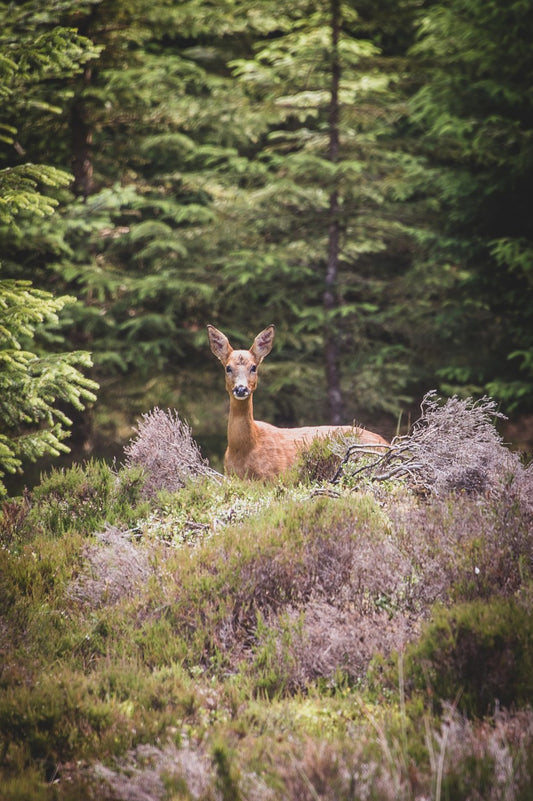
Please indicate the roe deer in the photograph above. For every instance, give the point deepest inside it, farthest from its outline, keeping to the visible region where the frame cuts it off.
(256, 449)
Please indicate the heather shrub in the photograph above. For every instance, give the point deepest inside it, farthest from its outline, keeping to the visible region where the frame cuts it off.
(147, 773)
(50, 720)
(459, 447)
(97, 712)
(490, 760)
(83, 497)
(412, 757)
(13, 520)
(236, 640)
(463, 547)
(301, 550)
(319, 642)
(166, 452)
(74, 498)
(454, 447)
(478, 654)
(33, 579)
(318, 462)
(114, 568)
(320, 590)
(291, 554)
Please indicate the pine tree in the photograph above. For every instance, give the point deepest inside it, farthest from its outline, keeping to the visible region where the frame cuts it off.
(474, 112)
(36, 384)
(309, 229)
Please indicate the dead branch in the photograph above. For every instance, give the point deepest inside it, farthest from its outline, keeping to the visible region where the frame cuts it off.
(453, 446)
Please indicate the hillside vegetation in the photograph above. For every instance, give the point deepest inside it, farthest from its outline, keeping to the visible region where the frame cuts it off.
(170, 634)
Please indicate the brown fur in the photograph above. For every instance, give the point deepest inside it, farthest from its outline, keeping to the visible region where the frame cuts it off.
(257, 449)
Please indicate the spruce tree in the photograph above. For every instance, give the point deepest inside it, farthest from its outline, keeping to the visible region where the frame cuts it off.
(37, 384)
(310, 230)
(128, 240)
(474, 115)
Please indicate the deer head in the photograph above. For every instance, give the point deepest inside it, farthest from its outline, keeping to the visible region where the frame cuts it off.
(241, 365)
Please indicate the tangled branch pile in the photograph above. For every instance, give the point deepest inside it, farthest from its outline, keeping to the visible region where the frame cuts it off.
(453, 447)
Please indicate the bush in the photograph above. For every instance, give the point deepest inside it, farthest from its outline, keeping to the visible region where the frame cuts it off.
(453, 447)
(115, 569)
(463, 548)
(317, 462)
(279, 560)
(77, 498)
(166, 452)
(478, 654)
(83, 497)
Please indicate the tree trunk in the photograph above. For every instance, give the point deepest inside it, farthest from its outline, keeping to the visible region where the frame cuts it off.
(331, 299)
(82, 166)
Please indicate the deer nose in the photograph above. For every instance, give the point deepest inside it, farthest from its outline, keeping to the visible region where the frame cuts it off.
(241, 391)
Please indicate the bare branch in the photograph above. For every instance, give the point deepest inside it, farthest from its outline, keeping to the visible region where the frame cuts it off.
(453, 446)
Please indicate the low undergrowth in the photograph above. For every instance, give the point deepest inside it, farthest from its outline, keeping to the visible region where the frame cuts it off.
(234, 640)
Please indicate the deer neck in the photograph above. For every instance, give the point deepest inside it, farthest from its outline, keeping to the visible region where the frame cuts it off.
(242, 430)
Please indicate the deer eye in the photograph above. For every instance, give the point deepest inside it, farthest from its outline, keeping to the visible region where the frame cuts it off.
(253, 368)
(228, 369)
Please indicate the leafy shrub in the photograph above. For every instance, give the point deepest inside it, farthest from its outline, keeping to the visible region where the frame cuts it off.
(83, 497)
(166, 451)
(479, 653)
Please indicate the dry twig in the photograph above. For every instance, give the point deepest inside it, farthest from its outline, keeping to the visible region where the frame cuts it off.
(452, 446)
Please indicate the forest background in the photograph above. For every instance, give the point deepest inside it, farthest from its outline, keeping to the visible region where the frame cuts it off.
(358, 173)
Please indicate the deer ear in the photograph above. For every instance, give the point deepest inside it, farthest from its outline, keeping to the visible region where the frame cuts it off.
(219, 343)
(263, 344)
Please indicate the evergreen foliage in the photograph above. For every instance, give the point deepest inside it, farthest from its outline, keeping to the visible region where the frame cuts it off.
(307, 166)
(34, 388)
(320, 245)
(125, 240)
(474, 112)
(36, 384)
